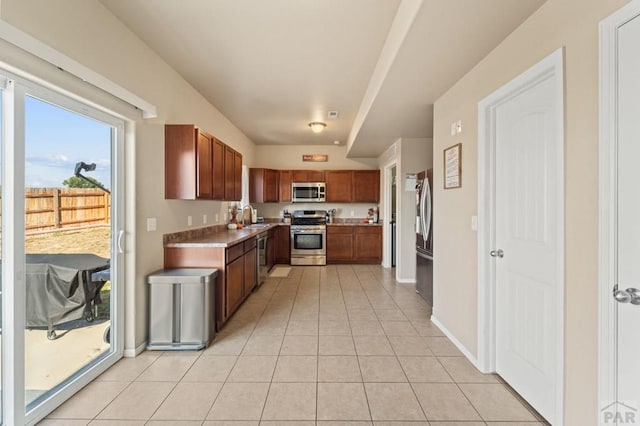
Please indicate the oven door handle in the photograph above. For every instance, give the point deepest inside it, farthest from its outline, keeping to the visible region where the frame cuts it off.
(307, 232)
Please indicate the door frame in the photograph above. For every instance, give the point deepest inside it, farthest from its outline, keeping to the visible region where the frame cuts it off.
(386, 212)
(14, 314)
(608, 117)
(550, 67)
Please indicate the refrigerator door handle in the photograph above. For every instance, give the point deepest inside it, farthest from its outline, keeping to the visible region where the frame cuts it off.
(424, 255)
(428, 209)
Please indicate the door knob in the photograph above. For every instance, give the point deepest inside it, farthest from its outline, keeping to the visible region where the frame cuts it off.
(635, 296)
(630, 295)
(497, 253)
(622, 296)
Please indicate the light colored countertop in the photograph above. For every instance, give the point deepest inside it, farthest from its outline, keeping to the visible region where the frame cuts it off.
(221, 239)
(224, 238)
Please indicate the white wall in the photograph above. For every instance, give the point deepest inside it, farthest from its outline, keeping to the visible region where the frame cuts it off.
(290, 157)
(412, 156)
(572, 25)
(90, 34)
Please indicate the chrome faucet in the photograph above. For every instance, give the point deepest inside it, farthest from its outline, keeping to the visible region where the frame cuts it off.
(242, 212)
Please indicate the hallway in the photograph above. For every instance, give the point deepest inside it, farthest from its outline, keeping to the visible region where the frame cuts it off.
(334, 345)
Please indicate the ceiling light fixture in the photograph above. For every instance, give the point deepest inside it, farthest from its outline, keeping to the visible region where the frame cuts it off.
(317, 126)
(336, 142)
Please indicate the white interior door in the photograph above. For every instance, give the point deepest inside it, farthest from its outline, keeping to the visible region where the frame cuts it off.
(527, 223)
(628, 229)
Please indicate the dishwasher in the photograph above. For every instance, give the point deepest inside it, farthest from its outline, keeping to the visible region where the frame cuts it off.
(262, 269)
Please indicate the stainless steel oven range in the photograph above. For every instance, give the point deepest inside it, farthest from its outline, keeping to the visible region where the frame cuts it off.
(309, 237)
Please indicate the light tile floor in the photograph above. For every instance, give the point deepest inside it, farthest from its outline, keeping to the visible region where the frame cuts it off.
(334, 345)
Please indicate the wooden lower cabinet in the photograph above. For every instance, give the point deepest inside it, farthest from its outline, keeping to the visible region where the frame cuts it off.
(367, 244)
(339, 244)
(271, 248)
(236, 272)
(354, 244)
(283, 244)
(235, 285)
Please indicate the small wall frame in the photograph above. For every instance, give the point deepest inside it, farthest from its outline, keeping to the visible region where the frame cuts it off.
(453, 166)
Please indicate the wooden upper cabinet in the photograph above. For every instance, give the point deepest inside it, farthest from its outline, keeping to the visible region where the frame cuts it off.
(339, 186)
(229, 175)
(307, 176)
(217, 148)
(187, 162)
(366, 186)
(263, 186)
(204, 169)
(284, 186)
(199, 166)
(237, 176)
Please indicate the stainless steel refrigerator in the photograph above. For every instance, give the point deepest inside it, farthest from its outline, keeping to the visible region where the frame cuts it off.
(424, 236)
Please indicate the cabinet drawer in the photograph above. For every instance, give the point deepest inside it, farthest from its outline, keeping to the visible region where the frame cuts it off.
(234, 252)
(336, 230)
(249, 244)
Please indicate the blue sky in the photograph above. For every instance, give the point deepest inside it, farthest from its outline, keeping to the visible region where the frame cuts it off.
(56, 139)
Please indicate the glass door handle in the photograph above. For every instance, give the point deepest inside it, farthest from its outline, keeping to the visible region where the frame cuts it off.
(121, 241)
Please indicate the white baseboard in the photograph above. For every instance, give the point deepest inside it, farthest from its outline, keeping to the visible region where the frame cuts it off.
(406, 280)
(456, 342)
(132, 353)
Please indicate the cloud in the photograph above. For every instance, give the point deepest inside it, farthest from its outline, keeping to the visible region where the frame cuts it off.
(63, 161)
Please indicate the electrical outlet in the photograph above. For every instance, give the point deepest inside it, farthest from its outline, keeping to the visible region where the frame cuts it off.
(224, 217)
(204, 218)
(474, 223)
(152, 224)
(217, 217)
(353, 213)
(459, 126)
(189, 220)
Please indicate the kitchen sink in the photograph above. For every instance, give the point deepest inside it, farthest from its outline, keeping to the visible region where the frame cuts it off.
(257, 226)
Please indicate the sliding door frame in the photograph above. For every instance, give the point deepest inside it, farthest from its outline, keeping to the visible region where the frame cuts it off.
(13, 250)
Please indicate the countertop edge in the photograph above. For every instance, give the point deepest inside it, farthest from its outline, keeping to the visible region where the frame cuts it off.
(222, 239)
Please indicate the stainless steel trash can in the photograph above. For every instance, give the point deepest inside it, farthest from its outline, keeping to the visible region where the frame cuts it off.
(181, 309)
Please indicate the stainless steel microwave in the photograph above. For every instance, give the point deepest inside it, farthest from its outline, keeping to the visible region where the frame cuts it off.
(308, 192)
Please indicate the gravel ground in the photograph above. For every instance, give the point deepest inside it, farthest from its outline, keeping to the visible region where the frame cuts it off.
(96, 240)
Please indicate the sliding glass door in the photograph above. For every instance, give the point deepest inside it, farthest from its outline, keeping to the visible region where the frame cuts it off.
(62, 304)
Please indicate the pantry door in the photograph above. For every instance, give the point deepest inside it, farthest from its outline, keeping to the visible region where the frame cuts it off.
(619, 213)
(523, 234)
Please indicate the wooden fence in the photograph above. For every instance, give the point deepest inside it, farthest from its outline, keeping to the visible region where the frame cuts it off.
(55, 208)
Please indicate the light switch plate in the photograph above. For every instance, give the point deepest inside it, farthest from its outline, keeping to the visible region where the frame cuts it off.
(152, 224)
(204, 218)
(189, 220)
(217, 217)
(474, 223)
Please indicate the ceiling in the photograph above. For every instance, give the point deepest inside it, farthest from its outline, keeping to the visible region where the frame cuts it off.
(271, 67)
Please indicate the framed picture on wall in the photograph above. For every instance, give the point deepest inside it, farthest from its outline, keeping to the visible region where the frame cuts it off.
(453, 167)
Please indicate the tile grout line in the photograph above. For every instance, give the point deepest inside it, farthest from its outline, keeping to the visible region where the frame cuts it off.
(240, 354)
(264, 405)
(364, 388)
